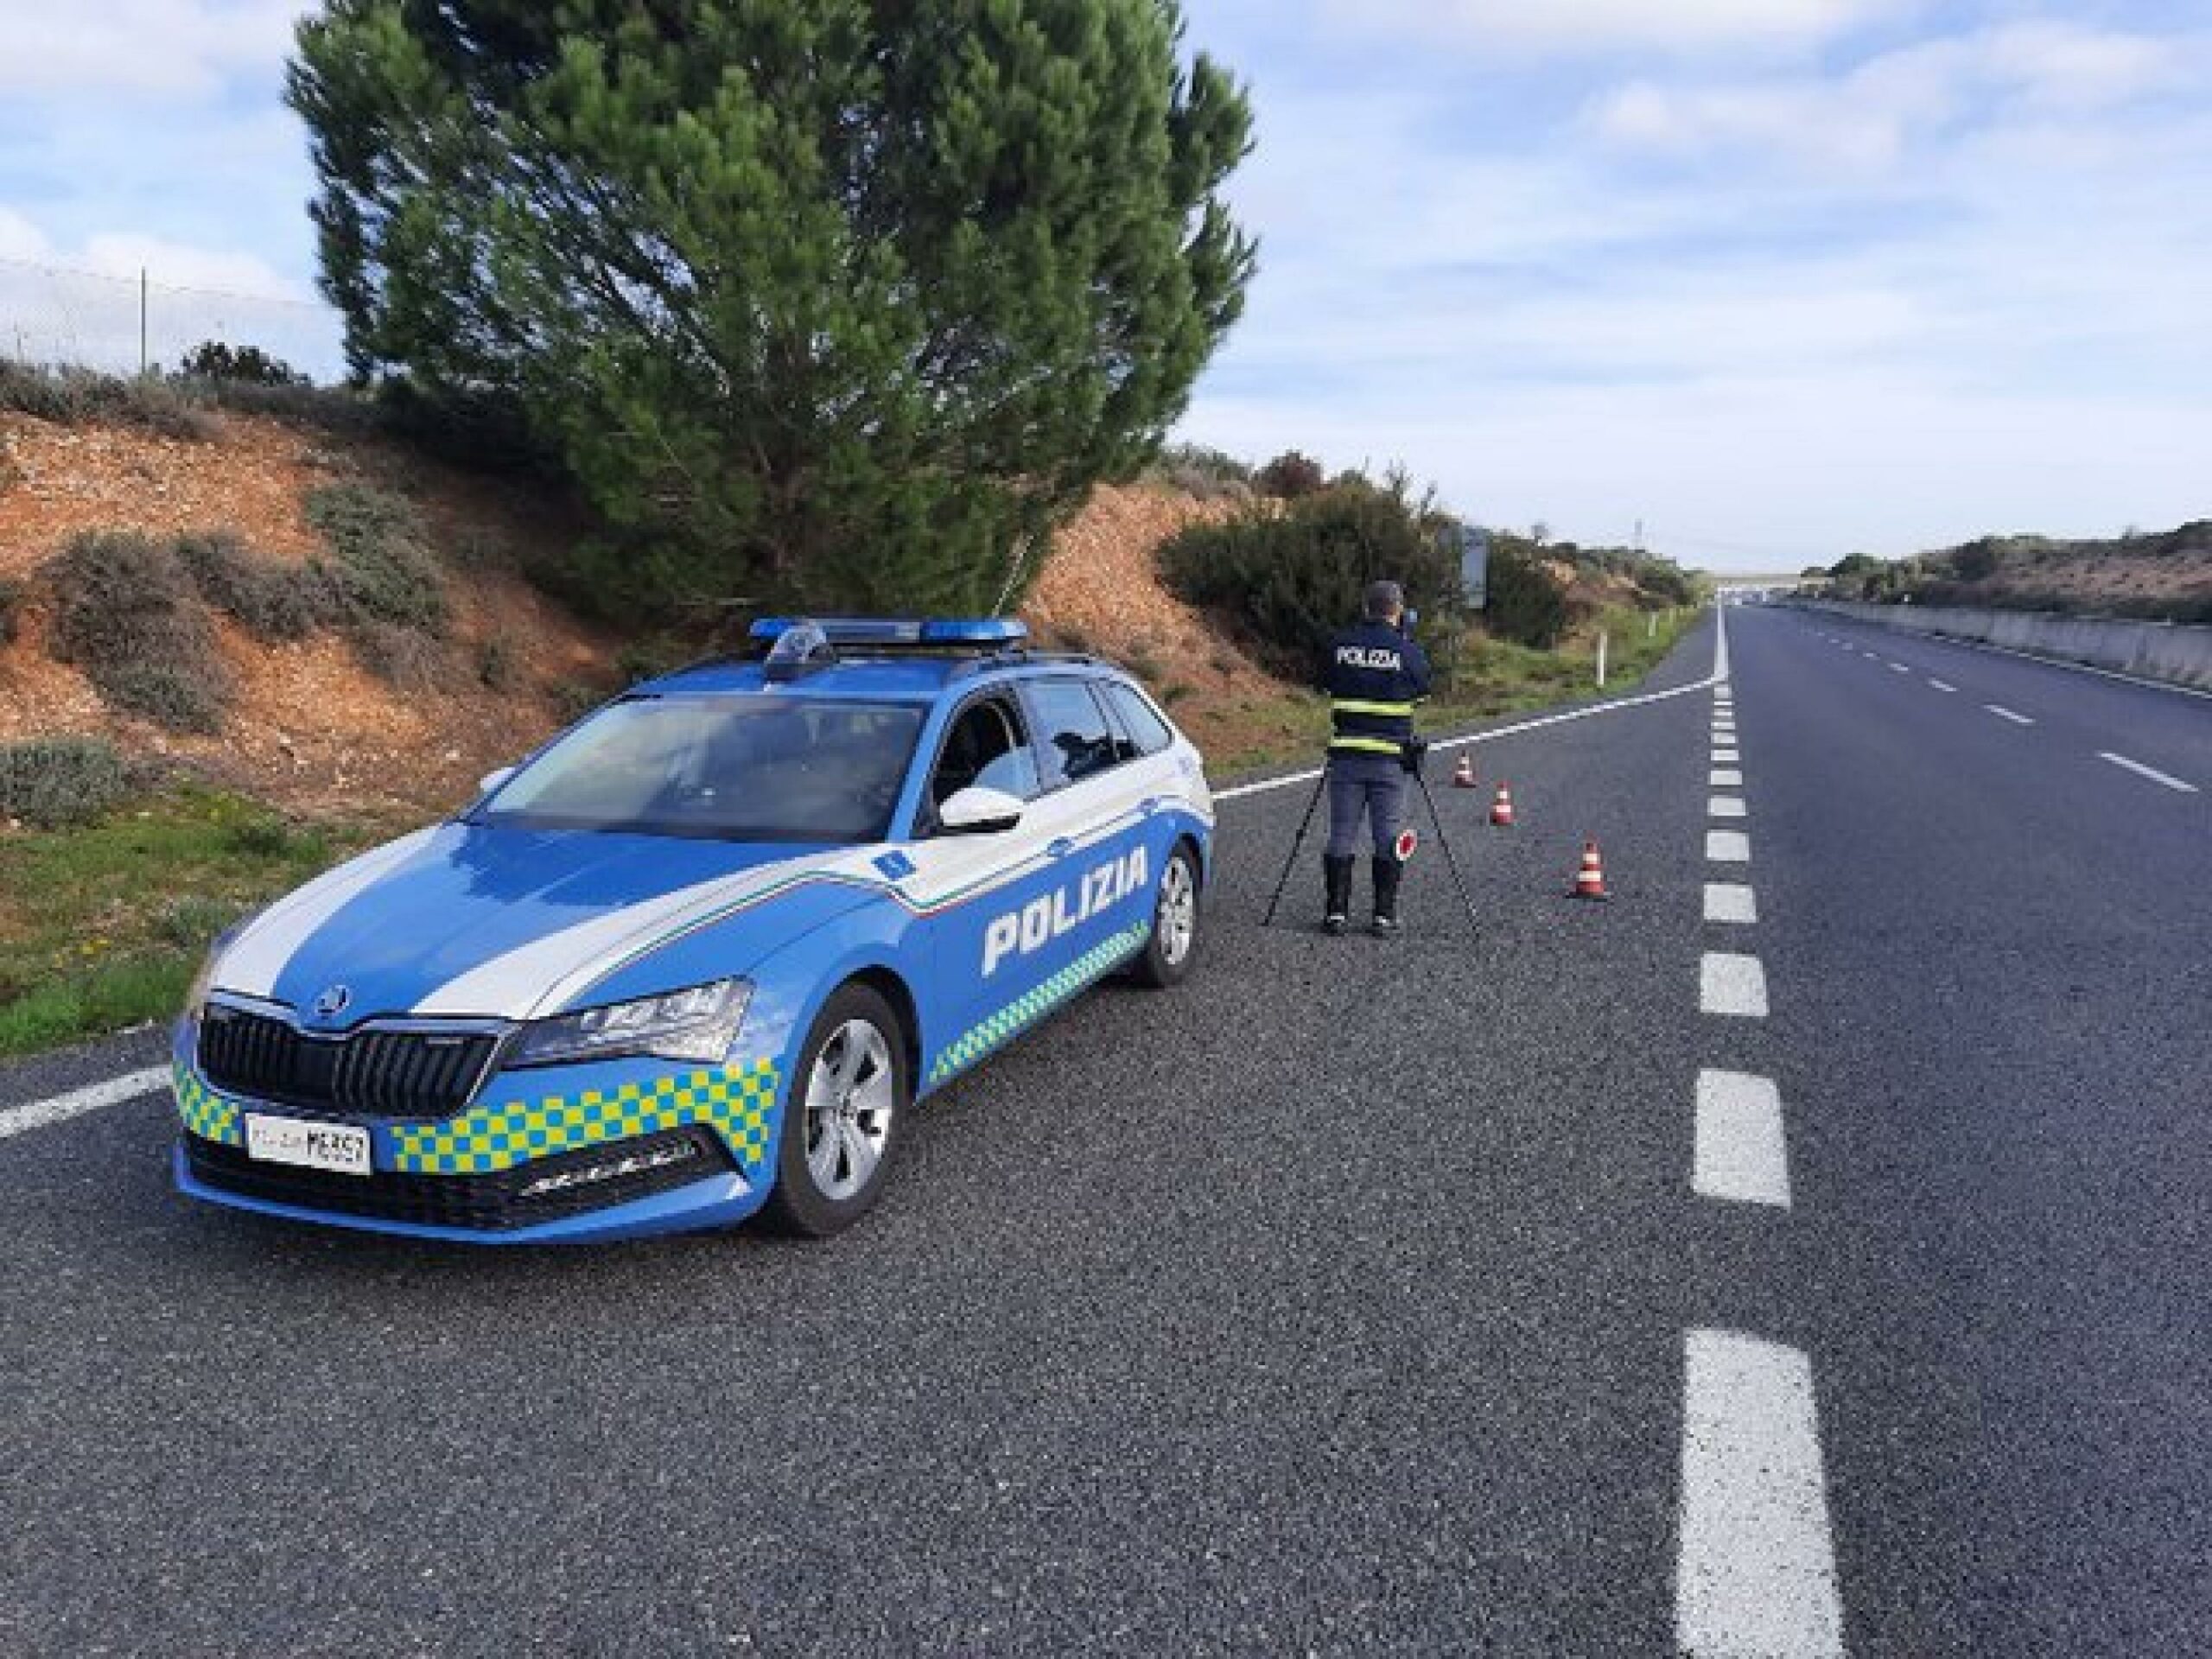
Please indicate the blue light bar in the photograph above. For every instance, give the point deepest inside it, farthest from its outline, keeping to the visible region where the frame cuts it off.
(911, 631)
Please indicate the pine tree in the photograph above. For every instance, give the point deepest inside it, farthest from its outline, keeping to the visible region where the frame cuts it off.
(831, 302)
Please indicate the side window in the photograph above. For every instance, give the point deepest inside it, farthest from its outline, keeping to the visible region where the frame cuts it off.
(1138, 718)
(986, 748)
(1074, 737)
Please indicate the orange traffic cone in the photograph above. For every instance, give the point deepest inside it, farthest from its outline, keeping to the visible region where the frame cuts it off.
(1501, 809)
(1464, 776)
(1591, 883)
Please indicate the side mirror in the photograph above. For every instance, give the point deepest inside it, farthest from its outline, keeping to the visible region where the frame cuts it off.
(492, 780)
(979, 812)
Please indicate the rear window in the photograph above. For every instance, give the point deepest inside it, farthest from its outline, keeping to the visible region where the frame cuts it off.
(1072, 734)
(1138, 717)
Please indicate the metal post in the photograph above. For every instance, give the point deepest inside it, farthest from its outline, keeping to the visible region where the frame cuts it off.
(1651, 626)
(1601, 659)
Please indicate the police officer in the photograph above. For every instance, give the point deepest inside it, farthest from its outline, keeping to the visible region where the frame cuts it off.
(1376, 673)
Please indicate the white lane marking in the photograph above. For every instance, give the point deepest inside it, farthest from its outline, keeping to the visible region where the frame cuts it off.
(1718, 677)
(1732, 984)
(1742, 1154)
(2075, 668)
(2002, 713)
(1725, 806)
(1940, 685)
(1755, 1562)
(1726, 756)
(1724, 780)
(2151, 772)
(1731, 901)
(1899, 668)
(1727, 847)
(91, 1098)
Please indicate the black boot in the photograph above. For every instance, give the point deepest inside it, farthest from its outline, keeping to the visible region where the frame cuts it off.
(1388, 871)
(1337, 873)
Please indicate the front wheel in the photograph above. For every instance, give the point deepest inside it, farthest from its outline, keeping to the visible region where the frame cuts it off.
(1167, 954)
(848, 1097)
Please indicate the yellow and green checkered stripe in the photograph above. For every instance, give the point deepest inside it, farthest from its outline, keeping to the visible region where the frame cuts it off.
(734, 1101)
(204, 1112)
(1010, 1020)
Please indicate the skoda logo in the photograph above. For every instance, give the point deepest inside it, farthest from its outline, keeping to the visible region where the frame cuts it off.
(333, 1003)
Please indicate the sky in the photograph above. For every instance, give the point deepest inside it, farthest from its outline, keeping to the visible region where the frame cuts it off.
(1775, 280)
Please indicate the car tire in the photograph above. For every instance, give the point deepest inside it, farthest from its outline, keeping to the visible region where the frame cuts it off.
(1166, 959)
(850, 1096)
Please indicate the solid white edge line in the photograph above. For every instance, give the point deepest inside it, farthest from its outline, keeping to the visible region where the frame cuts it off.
(91, 1098)
(2151, 772)
(1731, 902)
(1742, 1154)
(2002, 713)
(1732, 985)
(1718, 677)
(1755, 1558)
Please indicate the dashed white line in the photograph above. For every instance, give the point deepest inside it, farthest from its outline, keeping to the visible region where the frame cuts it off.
(1755, 1562)
(1722, 778)
(1725, 806)
(1899, 668)
(1731, 901)
(1726, 756)
(2151, 772)
(77, 1101)
(1940, 685)
(1727, 847)
(2002, 713)
(1732, 985)
(1742, 1155)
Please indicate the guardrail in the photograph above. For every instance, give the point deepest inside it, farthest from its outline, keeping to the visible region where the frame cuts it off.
(2177, 653)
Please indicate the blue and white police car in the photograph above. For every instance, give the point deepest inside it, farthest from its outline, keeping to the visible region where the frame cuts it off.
(703, 952)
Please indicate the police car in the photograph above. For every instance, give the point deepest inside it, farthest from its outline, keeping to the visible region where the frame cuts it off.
(703, 952)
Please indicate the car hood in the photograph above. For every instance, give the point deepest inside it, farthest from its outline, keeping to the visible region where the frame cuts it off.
(499, 922)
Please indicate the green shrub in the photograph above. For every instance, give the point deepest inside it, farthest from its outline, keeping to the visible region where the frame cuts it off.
(74, 397)
(400, 657)
(495, 663)
(1291, 578)
(1290, 475)
(53, 782)
(215, 359)
(1196, 470)
(269, 599)
(1527, 603)
(573, 699)
(127, 613)
(379, 562)
(192, 922)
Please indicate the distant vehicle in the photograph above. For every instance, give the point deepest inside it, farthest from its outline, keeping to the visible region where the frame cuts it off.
(703, 952)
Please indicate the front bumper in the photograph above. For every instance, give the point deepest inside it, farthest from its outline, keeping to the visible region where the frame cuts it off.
(716, 1201)
(610, 1151)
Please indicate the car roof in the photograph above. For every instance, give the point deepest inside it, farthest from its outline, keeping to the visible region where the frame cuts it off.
(905, 677)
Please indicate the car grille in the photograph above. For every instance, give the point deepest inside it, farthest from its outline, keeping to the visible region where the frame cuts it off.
(371, 1073)
(492, 1203)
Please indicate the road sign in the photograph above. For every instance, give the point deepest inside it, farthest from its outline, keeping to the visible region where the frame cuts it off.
(1474, 563)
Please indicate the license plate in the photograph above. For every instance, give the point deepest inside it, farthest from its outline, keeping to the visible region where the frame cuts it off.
(339, 1147)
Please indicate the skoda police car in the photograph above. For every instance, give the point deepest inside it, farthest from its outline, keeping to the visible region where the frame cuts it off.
(703, 952)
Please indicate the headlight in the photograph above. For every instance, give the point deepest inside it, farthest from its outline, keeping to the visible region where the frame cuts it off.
(698, 1025)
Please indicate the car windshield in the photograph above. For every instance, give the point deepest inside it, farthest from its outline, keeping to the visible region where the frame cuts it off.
(737, 768)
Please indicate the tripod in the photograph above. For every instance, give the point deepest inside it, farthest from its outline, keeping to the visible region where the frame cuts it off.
(1413, 762)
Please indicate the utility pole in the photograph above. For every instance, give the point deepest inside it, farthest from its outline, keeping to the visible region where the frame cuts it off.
(142, 322)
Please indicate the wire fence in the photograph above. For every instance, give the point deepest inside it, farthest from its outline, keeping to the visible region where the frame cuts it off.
(133, 325)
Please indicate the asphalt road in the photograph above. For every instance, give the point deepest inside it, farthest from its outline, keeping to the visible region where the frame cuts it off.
(1355, 1298)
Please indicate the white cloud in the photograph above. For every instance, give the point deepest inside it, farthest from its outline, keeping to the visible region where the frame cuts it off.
(1871, 117)
(1614, 25)
(159, 47)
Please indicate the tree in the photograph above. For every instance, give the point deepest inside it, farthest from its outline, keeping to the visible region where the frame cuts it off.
(848, 299)
(1290, 475)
